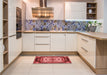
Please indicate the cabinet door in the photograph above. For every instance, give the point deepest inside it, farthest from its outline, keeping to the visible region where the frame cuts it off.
(75, 10)
(19, 45)
(12, 17)
(71, 42)
(1, 10)
(12, 48)
(1, 55)
(58, 42)
(28, 42)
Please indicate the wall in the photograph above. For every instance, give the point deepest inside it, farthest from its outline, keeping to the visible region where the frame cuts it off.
(105, 16)
(57, 4)
(100, 13)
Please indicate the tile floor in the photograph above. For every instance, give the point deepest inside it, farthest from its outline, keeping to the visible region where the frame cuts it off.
(24, 66)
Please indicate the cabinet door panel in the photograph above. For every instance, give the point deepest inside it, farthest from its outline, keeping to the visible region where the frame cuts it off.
(42, 47)
(12, 48)
(71, 42)
(19, 45)
(1, 55)
(58, 42)
(12, 17)
(1, 10)
(75, 10)
(28, 42)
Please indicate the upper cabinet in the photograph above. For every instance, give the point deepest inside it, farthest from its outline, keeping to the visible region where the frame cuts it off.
(75, 10)
(91, 10)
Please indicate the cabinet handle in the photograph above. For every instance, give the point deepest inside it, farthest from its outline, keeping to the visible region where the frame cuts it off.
(85, 40)
(42, 36)
(42, 44)
(12, 35)
(84, 49)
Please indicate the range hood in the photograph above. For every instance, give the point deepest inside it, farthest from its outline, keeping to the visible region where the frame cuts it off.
(43, 11)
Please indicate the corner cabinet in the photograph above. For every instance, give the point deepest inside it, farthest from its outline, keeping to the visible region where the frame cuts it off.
(28, 42)
(71, 42)
(58, 41)
(87, 49)
(75, 10)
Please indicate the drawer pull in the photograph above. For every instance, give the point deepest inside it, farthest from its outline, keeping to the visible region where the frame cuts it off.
(42, 36)
(84, 40)
(42, 44)
(84, 49)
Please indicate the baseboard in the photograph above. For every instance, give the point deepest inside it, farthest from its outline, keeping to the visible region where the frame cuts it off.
(91, 67)
(10, 64)
(101, 71)
(49, 53)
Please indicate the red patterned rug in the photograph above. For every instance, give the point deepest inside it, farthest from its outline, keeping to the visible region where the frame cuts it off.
(51, 60)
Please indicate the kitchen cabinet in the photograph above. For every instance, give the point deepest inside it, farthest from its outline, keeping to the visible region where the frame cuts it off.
(42, 42)
(71, 42)
(19, 45)
(75, 10)
(1, 55)
(87, 48)
(1, 24)
(12, 17)
(12, 48)
(28, 42)
(58, 41)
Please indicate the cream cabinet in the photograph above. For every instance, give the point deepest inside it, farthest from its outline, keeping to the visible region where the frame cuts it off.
(42, 42)
(12, 17)
(71, 42)
(12, 48)
(1, 55)
(75, 10)
(87, 48)
(1, 16)
(28, 42)
(19, 45)
(58, 41)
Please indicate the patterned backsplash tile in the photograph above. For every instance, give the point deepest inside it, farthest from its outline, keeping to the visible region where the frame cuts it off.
(48, 25)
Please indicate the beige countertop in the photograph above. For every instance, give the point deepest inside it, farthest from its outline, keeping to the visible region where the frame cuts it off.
(96, 35)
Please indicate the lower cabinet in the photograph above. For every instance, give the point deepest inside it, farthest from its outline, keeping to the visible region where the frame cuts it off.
(71, 42)
(28, 42)
(87, 49)
(42, 42)
(1, 55)
(49, 42)
(12, 48)
(58, 41)
(19, 45)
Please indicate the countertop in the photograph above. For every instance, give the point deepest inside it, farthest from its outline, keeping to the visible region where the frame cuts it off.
(96, 35)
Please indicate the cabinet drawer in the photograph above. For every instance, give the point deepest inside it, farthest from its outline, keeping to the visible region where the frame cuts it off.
(87, 48)
(42, 47)
(42, 34)
(42, 40)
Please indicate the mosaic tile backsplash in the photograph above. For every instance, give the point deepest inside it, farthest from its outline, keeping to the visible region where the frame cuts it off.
(48, 25)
